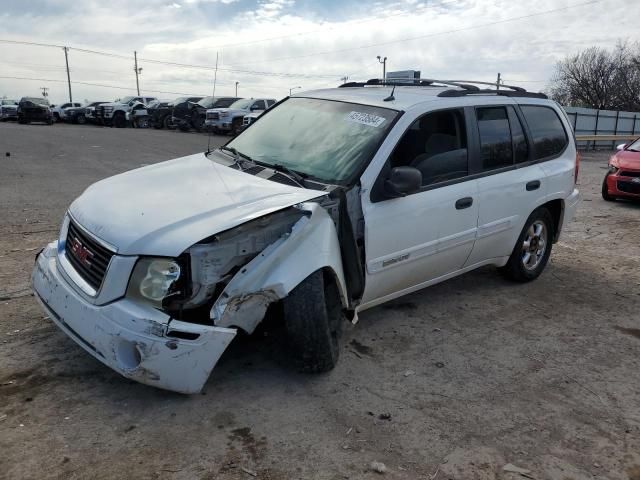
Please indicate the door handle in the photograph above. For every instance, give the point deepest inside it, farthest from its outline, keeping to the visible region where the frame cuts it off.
(465, 202)
(533, 185)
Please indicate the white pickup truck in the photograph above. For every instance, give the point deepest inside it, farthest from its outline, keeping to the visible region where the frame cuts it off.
(115, 113)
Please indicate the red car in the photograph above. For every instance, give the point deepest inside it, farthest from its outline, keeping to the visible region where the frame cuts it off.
(623, 178)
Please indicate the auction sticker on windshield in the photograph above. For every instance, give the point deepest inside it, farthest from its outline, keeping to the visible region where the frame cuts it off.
(365, 119)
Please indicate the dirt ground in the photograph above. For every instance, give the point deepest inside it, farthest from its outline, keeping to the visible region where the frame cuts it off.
(453, 382)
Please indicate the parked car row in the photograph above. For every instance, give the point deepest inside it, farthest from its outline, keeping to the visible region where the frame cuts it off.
(217, 114)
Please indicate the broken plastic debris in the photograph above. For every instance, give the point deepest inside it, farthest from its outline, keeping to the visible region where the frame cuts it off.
(510, 467)
(249, 472)
(378, 467)
(409, 373)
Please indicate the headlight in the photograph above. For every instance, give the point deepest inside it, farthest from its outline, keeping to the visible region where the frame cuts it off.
(154, 280)
(613, 169)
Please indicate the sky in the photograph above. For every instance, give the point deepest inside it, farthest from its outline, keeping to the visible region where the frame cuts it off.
(271, 46)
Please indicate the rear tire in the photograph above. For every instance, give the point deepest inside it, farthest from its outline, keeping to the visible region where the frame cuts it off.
(168, 123)
(81, 119)
(313, 320)
(533, 248)
(605, 191)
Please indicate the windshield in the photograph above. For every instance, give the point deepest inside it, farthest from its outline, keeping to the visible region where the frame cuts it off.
(207, 102)
(9, 102)
(126, 99)
(327, 140)
(36, 100)
(241, 104)
(177, 101)
(635, 146)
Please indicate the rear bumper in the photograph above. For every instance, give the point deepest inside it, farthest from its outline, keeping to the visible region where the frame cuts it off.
(137, 341)
(623, 186)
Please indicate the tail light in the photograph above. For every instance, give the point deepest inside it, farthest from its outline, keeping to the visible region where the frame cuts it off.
(577, 168)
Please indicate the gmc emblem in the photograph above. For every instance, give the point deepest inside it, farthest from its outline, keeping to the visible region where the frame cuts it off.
(82, 254)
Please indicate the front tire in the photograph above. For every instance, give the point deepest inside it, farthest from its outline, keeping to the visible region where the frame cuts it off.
(605, 190)
(196, 121)
(533, 248)
(119, 120)
(313, 320)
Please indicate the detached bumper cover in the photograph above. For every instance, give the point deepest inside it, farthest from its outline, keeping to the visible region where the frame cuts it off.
(135, 340)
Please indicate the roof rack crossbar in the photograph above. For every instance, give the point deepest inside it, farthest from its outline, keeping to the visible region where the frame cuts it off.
(512, 87)
(465, 87)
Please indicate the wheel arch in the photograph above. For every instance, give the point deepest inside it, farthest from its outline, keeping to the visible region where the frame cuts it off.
(312, 246)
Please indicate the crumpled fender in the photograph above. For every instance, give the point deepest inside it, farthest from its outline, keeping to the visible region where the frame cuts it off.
(279, 268)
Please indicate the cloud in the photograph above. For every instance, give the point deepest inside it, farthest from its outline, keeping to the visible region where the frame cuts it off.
(315, 43)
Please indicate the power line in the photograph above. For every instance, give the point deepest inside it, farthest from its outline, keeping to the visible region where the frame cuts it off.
(90, 84)
(430, 35)
(176, 64)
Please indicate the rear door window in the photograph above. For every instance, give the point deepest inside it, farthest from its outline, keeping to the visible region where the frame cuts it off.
(496, 148)
(549, 135)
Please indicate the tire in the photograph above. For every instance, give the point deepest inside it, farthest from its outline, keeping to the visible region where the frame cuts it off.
(236, 124)
(168, 123)
(81, 119)
(313, 322)
(119, 120)
(196, 121)
(605, 191)
(56, 117)
(525, 268)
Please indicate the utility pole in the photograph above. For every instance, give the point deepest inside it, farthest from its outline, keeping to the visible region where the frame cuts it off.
(344, 79)
(66, 60)
(498, 82)
(383, 61)
(237, 88)
(137, 70)
(45, 91)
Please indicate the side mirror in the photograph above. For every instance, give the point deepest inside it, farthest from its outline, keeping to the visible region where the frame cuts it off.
(621, 146)
(402, 181)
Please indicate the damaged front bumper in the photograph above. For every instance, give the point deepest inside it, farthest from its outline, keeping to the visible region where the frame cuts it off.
(133, 339)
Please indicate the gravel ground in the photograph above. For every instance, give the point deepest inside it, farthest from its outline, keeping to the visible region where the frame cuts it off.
(453, 382)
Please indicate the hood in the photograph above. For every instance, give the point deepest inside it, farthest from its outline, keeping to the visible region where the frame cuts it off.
(627, 160)
(165, 208)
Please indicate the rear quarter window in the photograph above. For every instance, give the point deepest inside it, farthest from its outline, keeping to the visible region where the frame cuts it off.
(548, 134)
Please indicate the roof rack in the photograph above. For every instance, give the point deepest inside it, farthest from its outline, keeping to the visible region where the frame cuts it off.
(465, 87)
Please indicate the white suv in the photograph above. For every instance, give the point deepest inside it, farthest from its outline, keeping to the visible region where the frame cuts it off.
(334, 202)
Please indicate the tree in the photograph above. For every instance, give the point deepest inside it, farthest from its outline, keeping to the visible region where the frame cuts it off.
(598, 78)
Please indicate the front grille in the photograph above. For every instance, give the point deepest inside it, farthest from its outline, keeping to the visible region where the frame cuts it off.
(213, 116)
(88, 257)
(623, 173)
(629, 187)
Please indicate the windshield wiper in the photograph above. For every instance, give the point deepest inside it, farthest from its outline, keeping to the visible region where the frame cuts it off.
(239, 158)
(295, 176)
